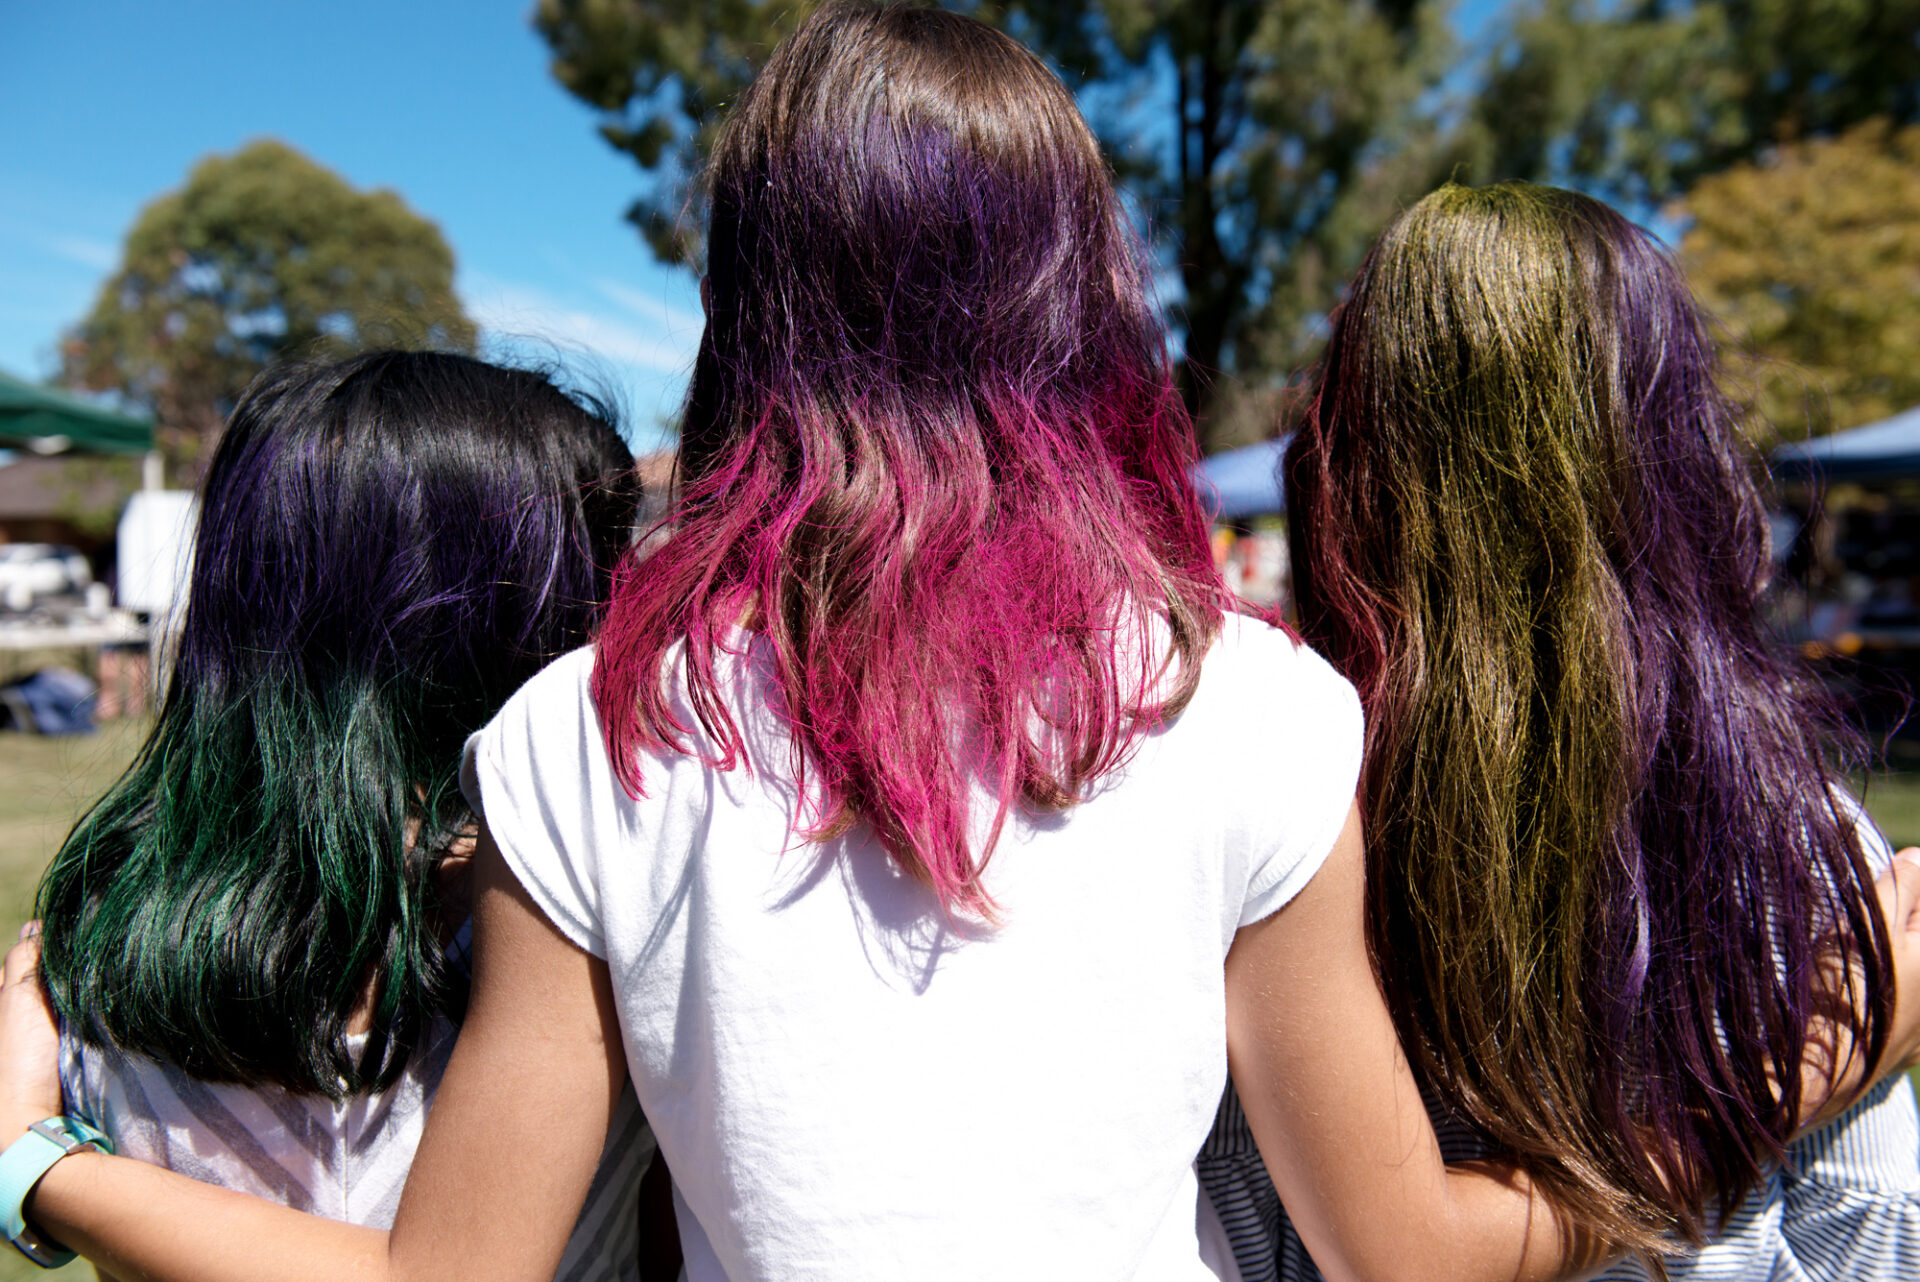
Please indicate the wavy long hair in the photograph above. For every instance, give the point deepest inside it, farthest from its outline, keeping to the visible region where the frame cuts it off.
(932, 451)
(1605, 854)
(387, 548)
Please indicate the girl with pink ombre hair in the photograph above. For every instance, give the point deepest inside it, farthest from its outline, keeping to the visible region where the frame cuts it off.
(922, 812)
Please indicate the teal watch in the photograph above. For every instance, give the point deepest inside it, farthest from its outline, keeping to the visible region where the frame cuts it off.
(21, 1166)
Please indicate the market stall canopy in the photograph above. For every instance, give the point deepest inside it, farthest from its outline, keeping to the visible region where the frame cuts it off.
(1878, 451)
(44, 421)
(1244, 482)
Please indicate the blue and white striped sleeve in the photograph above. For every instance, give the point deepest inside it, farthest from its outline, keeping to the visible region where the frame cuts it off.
(1851, 1192)
(1847, 1205)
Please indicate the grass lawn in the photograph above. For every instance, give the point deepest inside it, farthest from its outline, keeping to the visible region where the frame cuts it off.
(1894, 803)
(46, 783)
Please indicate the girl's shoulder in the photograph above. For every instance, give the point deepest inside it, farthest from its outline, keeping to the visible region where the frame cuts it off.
(560, 697)
(550, 713)
(1263, 676)
(568, 678)
(1267, 755)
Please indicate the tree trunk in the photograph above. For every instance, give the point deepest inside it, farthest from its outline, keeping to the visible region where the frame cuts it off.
(1213, 282)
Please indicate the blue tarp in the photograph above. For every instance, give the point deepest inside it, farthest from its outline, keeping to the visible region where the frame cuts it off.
(50, 701)
(1244, 482)
(1888, 448)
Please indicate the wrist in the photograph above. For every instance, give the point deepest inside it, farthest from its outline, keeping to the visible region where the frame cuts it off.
(22, 1166)
(16, 1121)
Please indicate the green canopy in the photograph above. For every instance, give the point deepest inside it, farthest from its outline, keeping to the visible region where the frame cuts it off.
(49, 422)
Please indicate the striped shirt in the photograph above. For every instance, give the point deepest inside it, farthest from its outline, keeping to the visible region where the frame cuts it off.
(1845, 1206)
(344, 1160)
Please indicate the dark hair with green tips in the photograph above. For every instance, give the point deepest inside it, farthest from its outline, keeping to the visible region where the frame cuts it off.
(387, 548)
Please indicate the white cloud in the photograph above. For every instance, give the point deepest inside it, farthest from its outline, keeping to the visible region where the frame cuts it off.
(519, 315)
(652, 308)
(96, 254)
(640, 355)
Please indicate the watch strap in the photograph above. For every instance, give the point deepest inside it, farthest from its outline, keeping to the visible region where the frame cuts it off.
(21, 1166)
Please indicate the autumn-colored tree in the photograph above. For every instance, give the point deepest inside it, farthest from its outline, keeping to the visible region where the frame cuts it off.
(1811, 259)
(261, 255)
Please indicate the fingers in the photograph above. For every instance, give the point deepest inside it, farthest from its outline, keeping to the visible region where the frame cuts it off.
(22, 964)
(1903, 912)
(1899, 894)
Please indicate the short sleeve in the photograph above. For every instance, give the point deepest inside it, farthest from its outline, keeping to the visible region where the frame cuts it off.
(1301, 729)
(539, 778)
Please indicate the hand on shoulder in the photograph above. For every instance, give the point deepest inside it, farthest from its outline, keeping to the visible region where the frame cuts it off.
(29, 1041)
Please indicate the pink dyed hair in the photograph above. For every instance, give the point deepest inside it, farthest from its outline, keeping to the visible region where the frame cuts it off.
(931, 454)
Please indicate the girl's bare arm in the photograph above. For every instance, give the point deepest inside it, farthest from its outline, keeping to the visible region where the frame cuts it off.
(508, 1154)
(1339, 1119)
(1341, 1126)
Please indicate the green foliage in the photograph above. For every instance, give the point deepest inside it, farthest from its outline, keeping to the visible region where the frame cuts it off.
(1638, 101)
(661, 74)
(1303, 126)
(1811, 258)
(262, 254)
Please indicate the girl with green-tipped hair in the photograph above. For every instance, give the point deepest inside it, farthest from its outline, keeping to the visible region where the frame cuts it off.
(254, 938)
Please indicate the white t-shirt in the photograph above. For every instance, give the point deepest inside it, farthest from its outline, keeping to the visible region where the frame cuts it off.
(849, 1086)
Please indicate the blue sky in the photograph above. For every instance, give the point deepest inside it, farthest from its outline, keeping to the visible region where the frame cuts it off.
(104, 104)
